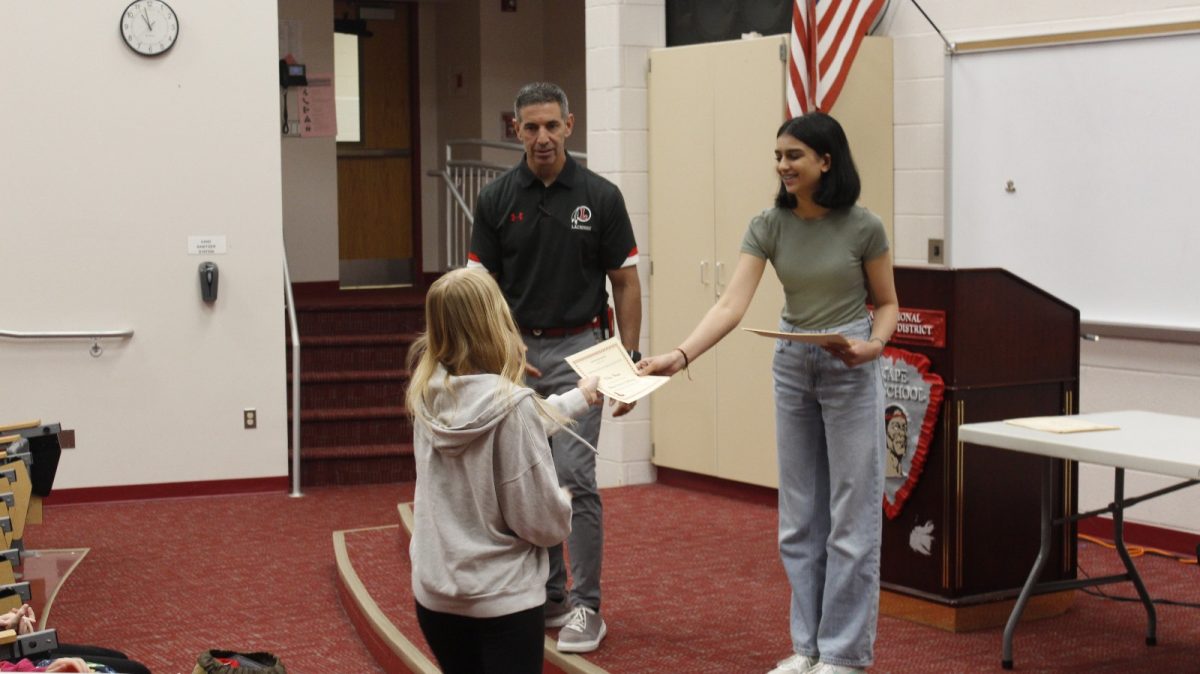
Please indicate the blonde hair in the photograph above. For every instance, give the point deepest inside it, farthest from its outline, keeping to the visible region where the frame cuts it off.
(468, 330)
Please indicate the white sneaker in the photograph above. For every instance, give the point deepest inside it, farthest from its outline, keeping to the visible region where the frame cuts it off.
(797, 664)
(826, 668)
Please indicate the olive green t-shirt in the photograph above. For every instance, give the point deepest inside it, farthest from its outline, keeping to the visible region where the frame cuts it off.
(819, 261)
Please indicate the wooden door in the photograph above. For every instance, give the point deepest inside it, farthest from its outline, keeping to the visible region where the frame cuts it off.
(376, 196)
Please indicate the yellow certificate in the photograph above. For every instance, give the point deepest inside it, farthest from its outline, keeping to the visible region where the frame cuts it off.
(610, 362)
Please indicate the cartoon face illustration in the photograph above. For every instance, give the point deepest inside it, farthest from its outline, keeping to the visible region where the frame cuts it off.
(896, 425)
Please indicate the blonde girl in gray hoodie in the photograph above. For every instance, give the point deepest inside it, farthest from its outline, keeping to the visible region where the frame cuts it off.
(487, 501)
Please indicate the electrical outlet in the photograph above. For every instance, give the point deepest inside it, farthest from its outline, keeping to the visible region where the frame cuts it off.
(249, 418)
(937, 250)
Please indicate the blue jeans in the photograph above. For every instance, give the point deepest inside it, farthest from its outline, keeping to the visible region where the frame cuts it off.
(830, 435)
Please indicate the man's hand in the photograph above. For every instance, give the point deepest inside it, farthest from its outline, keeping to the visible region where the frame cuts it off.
(531, 371)
(620, 409)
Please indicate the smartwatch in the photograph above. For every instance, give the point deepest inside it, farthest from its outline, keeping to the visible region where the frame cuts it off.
(635, 355)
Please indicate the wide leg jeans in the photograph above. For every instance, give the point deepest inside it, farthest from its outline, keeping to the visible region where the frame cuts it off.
(830, 436)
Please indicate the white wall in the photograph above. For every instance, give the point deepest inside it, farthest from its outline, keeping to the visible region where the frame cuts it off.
(309, 165)
(507, 63)
(619, 37)
(1115, 373)
(110, 161)
(433, 244)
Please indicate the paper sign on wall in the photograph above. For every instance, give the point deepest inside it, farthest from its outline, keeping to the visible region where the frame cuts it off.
(212, 244)
(318, 111)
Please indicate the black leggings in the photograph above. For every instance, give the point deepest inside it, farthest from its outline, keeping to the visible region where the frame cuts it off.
(507, 644)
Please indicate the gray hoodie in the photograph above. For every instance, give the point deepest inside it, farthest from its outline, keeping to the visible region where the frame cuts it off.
(487, 501)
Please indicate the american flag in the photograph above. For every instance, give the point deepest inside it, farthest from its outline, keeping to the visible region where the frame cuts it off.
(825, 38)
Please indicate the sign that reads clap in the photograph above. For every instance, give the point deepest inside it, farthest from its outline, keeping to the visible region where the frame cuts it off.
(912, 396)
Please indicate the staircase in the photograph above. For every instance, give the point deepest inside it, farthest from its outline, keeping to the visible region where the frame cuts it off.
(353, 344)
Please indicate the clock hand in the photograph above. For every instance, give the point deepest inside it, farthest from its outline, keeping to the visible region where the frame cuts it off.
(147, 19)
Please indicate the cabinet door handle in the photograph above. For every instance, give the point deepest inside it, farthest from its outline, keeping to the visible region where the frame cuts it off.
(720, 277)
(704, 272)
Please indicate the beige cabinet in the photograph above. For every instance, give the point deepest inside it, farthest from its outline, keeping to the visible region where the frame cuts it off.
(713, 113)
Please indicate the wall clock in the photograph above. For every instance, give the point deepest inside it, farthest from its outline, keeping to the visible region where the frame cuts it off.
(149, 27)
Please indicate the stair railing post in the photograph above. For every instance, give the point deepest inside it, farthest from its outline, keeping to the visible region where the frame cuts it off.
(295, 330)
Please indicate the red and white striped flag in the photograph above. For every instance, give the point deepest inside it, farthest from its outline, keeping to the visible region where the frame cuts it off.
(825, 38)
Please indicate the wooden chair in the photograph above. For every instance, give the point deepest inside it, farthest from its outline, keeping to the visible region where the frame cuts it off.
(16, 499)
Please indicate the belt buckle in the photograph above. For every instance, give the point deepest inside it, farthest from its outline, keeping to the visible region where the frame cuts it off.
(537, 332)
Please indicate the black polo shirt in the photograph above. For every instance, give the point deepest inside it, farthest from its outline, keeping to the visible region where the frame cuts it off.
(550, 247)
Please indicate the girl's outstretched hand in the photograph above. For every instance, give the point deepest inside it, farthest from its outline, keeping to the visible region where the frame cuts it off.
(663, 364)
(589, 387)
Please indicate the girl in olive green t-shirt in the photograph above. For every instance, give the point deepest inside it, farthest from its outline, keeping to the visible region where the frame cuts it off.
(831, 257)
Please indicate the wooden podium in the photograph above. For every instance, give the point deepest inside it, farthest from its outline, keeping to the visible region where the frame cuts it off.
(1007, 349)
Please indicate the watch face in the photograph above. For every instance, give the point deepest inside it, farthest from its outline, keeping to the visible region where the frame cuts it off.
(149, 27)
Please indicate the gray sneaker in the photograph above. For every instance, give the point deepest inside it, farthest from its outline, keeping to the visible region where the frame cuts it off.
(583, 632)
(558, 613)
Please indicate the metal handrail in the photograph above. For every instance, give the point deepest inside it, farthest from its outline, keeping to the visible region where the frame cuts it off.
(458, 197)
(77, 334)
(290, 301)
(464, 179)
(480, 142)
(94, 335)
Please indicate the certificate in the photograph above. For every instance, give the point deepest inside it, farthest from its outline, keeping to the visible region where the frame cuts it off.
(1071, 424)
(819, 338)
(610, 362)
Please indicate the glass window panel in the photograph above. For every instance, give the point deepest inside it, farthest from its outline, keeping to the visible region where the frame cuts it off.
(345, 87)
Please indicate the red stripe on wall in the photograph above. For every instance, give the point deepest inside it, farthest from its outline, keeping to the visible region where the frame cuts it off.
(138, 492)
(1144, 535)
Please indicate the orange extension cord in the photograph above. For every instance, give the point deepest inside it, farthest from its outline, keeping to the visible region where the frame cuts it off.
(1138, 550)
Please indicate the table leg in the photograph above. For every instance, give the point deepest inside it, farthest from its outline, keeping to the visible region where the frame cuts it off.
(1006, 658)
(1119, 542)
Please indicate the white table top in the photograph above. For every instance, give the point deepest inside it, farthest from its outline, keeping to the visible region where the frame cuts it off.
(1164, 444)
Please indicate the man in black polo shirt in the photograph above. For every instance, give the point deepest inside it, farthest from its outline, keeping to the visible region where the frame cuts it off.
(551, 232)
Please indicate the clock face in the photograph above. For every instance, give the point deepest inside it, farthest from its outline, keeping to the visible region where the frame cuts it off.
(149, 27)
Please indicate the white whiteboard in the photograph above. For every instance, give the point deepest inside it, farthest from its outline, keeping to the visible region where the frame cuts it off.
(1102, 143)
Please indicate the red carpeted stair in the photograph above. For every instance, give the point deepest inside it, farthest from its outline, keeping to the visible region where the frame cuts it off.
(353, 343)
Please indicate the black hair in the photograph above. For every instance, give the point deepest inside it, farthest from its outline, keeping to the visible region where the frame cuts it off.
(536, 93)
(840, 185)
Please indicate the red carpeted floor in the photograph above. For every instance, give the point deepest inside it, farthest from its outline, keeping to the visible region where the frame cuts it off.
(692, 584)
(168, 579)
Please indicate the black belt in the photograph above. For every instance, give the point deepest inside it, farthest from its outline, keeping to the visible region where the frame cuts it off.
(560, 332)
